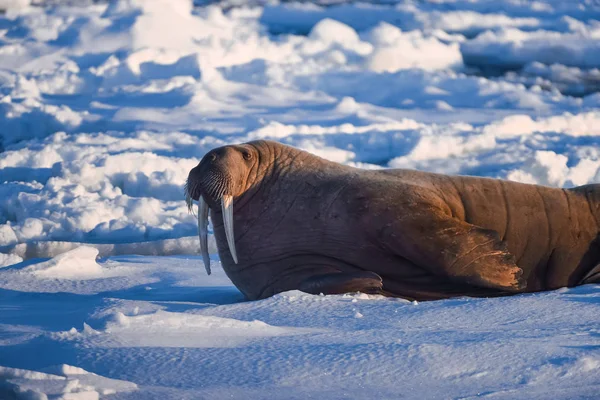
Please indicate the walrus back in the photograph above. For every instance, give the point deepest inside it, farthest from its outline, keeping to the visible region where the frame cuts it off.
(553, 233)
(591, 193)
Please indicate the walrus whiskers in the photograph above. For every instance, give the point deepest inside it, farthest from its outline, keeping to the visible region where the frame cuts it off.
(203, 232)
(227, 209)
(188, 196)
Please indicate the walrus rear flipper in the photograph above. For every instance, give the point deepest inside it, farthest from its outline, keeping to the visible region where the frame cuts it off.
(338, 283)
(446, 246)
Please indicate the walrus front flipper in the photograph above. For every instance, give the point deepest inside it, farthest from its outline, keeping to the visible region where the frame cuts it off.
(446, 246)
(339, 283)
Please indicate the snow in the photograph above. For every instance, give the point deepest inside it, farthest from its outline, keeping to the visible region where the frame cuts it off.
(61, 381)
(105, 107)
(396, 50)
(185, 335)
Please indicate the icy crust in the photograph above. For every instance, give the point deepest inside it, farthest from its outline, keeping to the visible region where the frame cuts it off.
(58, 382)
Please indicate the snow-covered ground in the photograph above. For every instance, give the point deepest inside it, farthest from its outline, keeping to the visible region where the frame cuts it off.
(104, 109)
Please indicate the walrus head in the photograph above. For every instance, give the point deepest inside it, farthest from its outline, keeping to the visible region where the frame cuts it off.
(288, 231)
(222, 175)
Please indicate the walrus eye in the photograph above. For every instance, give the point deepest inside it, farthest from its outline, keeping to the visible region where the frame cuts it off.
(247, 155)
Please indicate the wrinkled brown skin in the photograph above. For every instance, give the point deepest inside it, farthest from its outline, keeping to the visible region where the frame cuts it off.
(302, 222)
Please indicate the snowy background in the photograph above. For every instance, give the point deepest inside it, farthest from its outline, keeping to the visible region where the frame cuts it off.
(106, 106)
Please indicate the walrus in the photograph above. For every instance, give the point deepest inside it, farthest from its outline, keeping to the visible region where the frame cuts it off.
(286, 219)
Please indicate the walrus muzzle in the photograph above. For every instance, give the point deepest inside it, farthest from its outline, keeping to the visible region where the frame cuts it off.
(215, 186)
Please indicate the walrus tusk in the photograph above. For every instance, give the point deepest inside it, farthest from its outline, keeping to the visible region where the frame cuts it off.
(227, 209)
(203, 232)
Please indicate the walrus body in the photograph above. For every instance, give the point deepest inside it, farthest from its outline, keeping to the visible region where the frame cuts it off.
(302, 222)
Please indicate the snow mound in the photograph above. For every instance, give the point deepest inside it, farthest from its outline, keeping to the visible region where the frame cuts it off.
(550, 169)
(171, 329)
(58, 382)
(396, 50)
(79, 264)
(332, 31)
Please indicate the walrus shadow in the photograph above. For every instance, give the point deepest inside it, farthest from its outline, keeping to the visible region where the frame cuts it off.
(589, 293)
(169, 286)
(175, 298)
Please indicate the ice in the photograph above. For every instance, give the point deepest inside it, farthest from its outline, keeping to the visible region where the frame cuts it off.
(106, 106)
